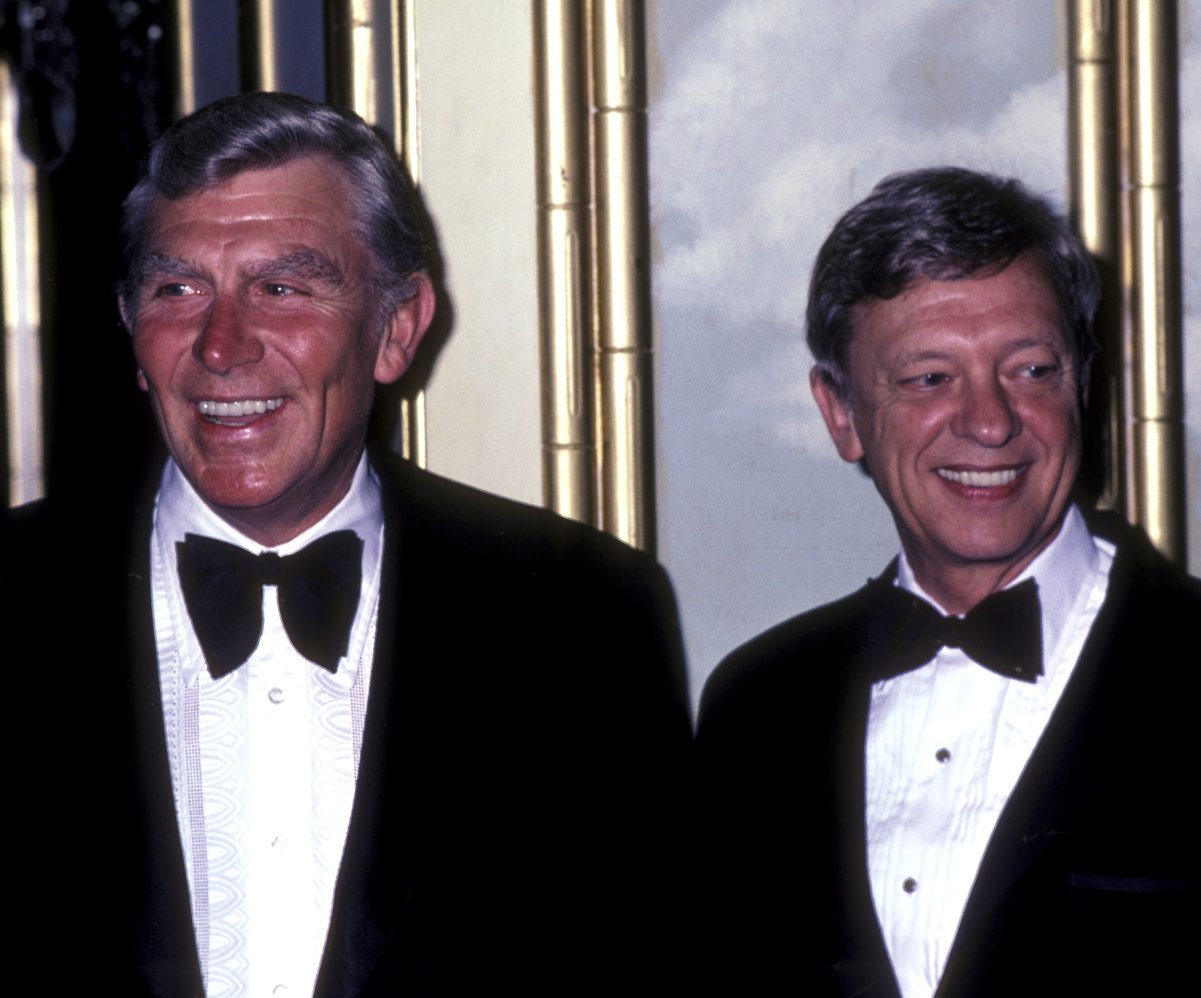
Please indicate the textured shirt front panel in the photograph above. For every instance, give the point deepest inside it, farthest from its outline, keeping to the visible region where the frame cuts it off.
(946, 745)
(264, 760)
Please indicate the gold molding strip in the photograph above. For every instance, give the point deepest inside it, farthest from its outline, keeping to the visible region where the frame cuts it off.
(407, 135)
(1125, 175)
(1093, 154)
(22, 306)
(1153, 165)
(402, 28)
(259, 45)
(622, 247)
(185, 59)
(564, 258)
(351, 68)
(371, 68)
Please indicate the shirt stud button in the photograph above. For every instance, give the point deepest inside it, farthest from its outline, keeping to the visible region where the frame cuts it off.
(909, 885)
(942, 755)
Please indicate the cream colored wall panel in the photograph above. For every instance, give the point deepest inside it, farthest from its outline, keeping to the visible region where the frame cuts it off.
(476, 155)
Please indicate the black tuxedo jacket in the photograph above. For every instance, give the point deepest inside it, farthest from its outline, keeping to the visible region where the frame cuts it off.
(517, 816)
(1089, 884)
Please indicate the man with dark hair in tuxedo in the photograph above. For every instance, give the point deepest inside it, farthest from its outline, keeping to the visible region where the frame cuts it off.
(333, 725)
(975, 775)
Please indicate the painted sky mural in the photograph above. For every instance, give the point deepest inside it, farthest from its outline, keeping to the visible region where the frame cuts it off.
(768, 119)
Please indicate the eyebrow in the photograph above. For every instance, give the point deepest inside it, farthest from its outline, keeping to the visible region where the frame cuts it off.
(303, 263)
(164, 265)
(924, 356)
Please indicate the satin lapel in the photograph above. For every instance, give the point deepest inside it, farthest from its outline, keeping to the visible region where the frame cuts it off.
(1044, 800)
(359, 920)
(155, 883)
(865, 969)
(403, 780)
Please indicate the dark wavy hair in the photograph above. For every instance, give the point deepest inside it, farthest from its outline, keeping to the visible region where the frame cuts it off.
(262, 130)
(943, 223)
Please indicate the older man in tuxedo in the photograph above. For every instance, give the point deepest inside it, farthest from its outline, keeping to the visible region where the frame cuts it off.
(333, 725)
(975, 775)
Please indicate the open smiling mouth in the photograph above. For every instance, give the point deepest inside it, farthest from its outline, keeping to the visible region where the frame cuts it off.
(220, 412)
(981, 479)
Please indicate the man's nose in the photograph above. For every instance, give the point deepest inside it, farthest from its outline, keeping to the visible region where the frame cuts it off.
(226, 341)
(987, 414)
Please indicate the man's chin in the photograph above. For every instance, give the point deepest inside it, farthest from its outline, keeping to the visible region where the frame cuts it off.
(1001, 551)
(233, 488)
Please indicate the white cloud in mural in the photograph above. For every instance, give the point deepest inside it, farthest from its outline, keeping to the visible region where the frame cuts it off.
(780, 116)
(769, 119)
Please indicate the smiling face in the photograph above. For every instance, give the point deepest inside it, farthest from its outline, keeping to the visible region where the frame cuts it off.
(965, 410)
(258, 337)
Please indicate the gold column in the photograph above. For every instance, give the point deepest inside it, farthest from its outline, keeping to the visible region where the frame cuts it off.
(564, 258)
(258, 45)
(406, 133)
(371, 68)
(1153, 164)
(21, 306)
(353, 67)
(623, 271)
(1093, 148)
(185, 58)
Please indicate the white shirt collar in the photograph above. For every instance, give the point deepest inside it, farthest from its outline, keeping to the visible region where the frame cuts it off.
(180, 510)
(1059, 569)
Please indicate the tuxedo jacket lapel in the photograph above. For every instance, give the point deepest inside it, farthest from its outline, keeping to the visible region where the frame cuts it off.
(863, 969)
(1027, 826)
(396, 803)
(138, 856)
(413, 760)
(163, 915)
(1031, 822)
(1067, 762)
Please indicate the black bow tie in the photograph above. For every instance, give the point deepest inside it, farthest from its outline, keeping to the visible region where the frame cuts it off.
(318, 593)
(1003, 632)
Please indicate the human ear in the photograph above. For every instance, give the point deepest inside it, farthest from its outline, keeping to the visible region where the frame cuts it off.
(403, 331)
(142, 382)
(837, 413)
(123, 311)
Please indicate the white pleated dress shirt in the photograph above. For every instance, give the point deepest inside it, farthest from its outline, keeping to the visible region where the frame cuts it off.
(263, 761)
(946, 744)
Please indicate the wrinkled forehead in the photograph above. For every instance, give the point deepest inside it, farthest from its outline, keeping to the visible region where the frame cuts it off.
(1021, 289)
(989, 317)
(302, 204)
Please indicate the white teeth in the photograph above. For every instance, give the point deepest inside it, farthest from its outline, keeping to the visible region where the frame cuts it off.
(208, 407)
(980, 479)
